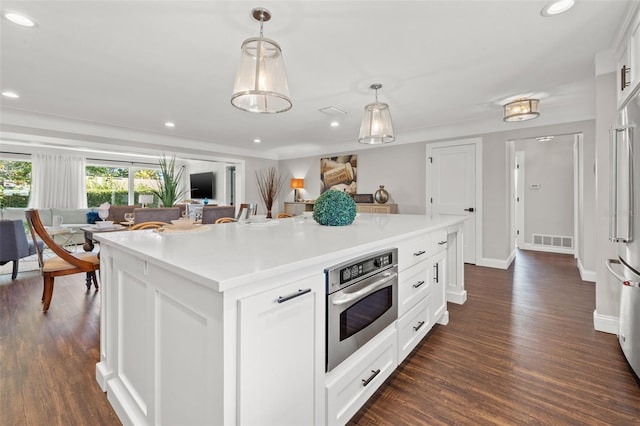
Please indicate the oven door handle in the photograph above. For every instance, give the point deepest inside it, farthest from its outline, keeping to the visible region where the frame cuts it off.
(350, 297)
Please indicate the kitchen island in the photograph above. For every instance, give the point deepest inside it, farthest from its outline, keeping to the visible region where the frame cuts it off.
(192, 330)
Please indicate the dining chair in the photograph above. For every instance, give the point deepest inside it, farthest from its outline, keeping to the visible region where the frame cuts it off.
(63, 263)
(252, 209)
(225, 220)
(283, 215)
(210, 214)
(159, 214)
(14, 244)
(147, 225)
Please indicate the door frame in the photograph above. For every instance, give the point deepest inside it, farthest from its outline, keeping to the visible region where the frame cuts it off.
(477, 142)
(520, 194)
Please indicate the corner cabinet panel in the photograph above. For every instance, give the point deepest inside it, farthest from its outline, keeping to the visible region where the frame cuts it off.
(281, 347)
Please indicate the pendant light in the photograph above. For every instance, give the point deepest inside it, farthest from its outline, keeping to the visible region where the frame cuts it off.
(521, 110)
(261, 81)
(376, 127)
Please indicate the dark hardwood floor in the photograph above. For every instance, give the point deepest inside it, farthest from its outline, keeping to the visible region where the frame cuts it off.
(522, 350)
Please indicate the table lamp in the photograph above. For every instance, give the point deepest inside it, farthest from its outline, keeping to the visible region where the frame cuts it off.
(145, 199)
(295, 185)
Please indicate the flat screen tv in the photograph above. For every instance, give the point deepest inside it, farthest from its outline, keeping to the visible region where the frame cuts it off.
(203, 185)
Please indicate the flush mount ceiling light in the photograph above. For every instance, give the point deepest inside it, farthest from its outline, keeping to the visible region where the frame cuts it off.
(261, 81)
(376, 127)
(557, 7)
(521, 110)
(19, 19)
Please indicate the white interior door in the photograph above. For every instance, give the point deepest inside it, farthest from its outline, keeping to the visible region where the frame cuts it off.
(453, 189)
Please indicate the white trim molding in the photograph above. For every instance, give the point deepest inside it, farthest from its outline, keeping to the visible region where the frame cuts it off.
(585, 274)
(605, 323)
(497, 263)
(548, 249)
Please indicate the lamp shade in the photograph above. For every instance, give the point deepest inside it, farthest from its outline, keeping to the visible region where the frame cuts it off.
(297, 183)
(521, 110)
(376, 127)
(261, 81)
(145, 198)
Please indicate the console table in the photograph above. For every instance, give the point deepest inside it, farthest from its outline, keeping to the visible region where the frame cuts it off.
(300, 207)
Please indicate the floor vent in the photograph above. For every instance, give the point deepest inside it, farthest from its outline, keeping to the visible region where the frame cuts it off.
(552, 241)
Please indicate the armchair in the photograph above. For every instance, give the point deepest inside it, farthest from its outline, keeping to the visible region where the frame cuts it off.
(14, 245)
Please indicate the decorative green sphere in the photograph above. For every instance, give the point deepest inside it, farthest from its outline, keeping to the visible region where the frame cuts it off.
(334, 208)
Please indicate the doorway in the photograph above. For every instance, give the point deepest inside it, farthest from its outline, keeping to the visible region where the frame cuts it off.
(545, 181)
(454, 187)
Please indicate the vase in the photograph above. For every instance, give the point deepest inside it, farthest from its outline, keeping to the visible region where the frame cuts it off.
(269, 214)
(381, 196)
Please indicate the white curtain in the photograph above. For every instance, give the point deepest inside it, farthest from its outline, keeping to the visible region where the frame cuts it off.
(57, 181)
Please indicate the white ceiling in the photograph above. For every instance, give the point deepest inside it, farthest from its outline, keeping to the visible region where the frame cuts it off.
(446, 66)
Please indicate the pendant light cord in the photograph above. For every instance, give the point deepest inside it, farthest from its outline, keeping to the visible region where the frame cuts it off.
(261, 22)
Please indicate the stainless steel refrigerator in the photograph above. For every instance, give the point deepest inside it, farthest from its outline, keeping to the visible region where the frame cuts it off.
(624, 225)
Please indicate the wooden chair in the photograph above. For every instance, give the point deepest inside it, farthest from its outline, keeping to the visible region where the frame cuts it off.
(283, 215)
(252, 207)
(225, 220)
(64, 263)
(147, 225)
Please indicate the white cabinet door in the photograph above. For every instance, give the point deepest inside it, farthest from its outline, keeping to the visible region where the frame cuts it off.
(438, 282)
(279, 343)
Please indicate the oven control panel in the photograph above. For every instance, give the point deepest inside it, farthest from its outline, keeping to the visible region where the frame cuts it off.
(342, 275)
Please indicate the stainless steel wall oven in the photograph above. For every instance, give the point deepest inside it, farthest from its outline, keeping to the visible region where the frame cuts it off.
(362, 300)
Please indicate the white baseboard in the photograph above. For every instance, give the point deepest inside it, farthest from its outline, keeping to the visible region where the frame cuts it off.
(528, 246)
(497, 263)
(457, 298)
(605, 323)
(585, 274)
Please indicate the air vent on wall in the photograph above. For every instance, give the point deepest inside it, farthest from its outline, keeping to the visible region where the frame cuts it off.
(552, 241)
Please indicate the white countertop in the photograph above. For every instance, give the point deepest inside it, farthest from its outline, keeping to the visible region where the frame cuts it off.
(228, 255)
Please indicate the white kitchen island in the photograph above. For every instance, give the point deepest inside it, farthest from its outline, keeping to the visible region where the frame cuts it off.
(192, 331)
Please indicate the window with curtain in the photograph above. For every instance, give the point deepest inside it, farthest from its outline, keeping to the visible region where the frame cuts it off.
(58, 181)
(15, 183)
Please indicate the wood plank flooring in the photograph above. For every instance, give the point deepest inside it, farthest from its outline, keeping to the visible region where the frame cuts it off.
(522, 350)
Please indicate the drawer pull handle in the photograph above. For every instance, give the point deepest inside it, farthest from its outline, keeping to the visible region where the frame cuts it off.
(420, 253)
(365, 382)
(440, 243)
(418, 284)
(437, 277)
(419, 326)
(299, 293)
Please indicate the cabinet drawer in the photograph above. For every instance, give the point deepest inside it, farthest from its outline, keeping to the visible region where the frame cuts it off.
(438, 241)
(413, 251)
(413, 326)
(352, 383)
(413, 285)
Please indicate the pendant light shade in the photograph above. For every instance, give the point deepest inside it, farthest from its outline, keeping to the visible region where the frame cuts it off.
(521, 110)
(376, 127)
(261, 81)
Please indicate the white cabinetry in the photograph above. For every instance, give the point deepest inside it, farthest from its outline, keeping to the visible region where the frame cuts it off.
(280, 341)
(421, 288)
(352, 383)
(628, 58)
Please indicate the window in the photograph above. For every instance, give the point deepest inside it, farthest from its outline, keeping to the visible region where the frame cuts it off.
(120, 185)
(15, 183)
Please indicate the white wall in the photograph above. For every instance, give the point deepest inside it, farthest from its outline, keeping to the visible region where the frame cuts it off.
(548, 210)
(192, 166)
(607, 288)
(400, 168)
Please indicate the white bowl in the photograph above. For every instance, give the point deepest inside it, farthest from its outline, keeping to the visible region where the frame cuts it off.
(104, 223)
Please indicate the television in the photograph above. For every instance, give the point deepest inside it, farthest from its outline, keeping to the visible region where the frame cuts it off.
(203, 185)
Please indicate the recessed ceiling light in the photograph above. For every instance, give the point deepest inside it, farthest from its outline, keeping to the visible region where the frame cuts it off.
(257, 141)
(8, 94)
(170, 124)
(545, 138)
(557, 7)
(335, 124)
(20, 19)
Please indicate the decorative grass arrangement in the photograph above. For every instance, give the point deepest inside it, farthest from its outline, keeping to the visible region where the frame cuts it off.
(334, 208)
